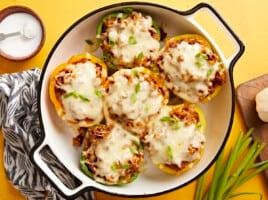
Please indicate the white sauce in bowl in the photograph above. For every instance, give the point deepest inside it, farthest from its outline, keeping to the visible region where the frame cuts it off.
(20, 46)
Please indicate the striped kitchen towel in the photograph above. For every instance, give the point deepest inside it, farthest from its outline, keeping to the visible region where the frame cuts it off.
(21, 129)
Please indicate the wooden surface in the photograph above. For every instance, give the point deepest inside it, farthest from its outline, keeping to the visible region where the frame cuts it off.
(247, 19)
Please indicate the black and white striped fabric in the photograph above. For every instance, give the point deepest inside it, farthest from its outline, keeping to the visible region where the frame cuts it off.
(21, 129)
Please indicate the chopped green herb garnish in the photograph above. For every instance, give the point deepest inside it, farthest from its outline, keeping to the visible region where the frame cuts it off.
(209, 72)
(116, 167)
(202, 56)
(176, 126)
(172, 122)
(76, 96)
(98, 93)
(200, 59)
(168, 119)
(156, 27)
(137, 87)
(132, 40)
(133, 177)
(125, 166)
(133, 97)
(133, 150)
(135, 72)
(71, 94)
(140, 56)
(83, 98)
(199, 63)
(169, 152)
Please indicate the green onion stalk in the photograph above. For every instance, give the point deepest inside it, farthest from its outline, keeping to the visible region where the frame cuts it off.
(231, 172)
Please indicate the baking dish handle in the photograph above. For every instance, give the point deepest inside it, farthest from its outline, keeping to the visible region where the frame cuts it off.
(65, 191)
(237, 43)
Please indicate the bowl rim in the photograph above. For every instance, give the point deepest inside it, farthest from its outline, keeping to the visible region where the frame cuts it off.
(23, 9)
(179, 12)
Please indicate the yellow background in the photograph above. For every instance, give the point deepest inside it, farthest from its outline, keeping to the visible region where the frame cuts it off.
(247, 18)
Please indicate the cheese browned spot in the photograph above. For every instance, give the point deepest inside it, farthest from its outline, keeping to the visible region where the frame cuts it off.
(79, 89)
(175, 138)
(192, 70)
(133, 97)
(111, 155)
(130, 41)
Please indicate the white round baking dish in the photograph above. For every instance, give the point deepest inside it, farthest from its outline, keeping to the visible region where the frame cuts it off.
(57, 136)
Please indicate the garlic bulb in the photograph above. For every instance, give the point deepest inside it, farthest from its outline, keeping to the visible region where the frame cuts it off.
(262, 104)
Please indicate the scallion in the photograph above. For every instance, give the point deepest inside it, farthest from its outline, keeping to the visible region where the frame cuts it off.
(200, 59)
(132, 40)
(169, 152)
(98, 93)
(232, 172)
(209, 72)
(77, 96)
(140, 56)
(133, 97)
(137, 87)
(135, 72)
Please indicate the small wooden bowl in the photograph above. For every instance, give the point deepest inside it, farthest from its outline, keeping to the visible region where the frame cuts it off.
(22, 9)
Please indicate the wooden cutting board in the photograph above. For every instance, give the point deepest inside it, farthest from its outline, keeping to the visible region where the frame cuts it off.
(245, 95)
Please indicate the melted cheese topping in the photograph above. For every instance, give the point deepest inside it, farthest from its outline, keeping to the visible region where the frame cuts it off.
(131, 95)
(80, 100)
(188, 73)
(132, 39)
(170, 142)
(113, 151)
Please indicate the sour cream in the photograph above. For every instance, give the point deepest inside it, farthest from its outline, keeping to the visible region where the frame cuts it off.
(25, 44)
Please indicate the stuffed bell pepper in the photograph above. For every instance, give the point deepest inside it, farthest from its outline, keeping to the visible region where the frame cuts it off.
(128, 39)
(192, 69)
(133, 97)
(76, 90)
(111, 155)
(175, 139)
